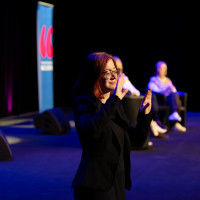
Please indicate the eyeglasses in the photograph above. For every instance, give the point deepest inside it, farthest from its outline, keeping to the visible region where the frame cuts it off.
(108, 74)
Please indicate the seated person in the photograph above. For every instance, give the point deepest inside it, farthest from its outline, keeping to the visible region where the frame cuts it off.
(127, 85)
(156, 129)
(161, 84)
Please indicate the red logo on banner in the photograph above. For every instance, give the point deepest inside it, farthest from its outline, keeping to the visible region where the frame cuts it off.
(46, 47)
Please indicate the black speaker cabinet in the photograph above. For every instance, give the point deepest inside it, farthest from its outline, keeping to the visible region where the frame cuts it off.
(5, 151)
(53, 121)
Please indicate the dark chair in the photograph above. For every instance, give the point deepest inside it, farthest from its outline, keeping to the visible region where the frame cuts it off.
(164, 109)
(131, 106)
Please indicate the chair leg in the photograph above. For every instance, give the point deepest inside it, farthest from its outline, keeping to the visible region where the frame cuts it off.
(183, 116)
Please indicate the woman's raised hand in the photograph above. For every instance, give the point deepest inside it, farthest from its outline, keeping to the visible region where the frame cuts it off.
(146, 102)
(118, 89)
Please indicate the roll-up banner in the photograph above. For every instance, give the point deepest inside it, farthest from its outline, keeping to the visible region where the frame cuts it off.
(45, 55)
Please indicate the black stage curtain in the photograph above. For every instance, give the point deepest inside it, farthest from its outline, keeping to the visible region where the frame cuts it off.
(18, 75)
(139, 36)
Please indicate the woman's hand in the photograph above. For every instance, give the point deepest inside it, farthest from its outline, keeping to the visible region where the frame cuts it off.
(146, 102)
(173, 88)
(118, 89)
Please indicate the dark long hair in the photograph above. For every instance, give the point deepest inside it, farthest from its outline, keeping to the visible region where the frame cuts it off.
(87, 82)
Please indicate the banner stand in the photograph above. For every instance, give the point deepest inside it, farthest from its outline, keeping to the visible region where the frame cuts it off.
(45, 55)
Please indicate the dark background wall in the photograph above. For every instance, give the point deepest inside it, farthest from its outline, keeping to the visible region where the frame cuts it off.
(140, 35)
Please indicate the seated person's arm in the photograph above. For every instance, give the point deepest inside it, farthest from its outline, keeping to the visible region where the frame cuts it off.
(131, 88)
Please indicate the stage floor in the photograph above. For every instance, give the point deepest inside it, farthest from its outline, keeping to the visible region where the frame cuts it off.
(43, 165)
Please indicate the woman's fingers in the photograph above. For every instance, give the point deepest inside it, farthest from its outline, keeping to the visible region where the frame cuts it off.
(120, 81)
(118, 90)
(146, 103)
(124, 92)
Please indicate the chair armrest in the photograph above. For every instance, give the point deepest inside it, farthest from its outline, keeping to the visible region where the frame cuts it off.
(183, 97)
(160, 98)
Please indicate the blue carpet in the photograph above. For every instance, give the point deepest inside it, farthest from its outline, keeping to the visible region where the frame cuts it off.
(43, 166)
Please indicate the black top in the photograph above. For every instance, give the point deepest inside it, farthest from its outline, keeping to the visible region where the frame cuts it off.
(101, 139)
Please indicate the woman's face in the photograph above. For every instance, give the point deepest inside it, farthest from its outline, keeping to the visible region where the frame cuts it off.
(108, 78)
(162, 70)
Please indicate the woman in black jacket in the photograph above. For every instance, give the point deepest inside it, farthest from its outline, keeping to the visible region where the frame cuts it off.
(104, 131)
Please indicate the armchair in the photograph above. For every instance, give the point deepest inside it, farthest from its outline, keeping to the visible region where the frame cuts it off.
(131, 106)
(164, 109)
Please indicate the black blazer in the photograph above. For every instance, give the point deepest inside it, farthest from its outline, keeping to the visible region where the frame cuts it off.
(99, 142)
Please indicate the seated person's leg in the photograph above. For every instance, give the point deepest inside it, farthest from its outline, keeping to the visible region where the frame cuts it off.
(173, 100)
(154, 106)
(175, 103)
(155, 110)
(157, 127)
